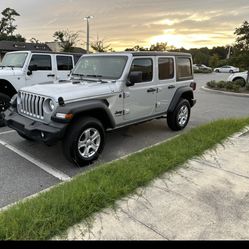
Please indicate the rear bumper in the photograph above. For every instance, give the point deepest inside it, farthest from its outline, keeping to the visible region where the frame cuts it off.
(49, 134)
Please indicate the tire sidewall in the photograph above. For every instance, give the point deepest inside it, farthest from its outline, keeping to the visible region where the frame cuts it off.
(180, 105)
(5, 98)
(173, 122)
(86, 124)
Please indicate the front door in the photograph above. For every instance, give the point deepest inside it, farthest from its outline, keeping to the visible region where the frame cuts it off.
(140, 99)
(41, 70)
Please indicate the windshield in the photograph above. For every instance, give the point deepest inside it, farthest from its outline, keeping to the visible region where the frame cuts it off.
(14, 60)
(101, 67)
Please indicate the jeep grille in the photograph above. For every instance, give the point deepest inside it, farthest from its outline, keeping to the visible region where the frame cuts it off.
(31, 105)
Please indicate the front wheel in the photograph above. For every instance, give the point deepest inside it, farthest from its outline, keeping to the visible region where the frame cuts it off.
(4, 105)
(84, 141)
(179, 118)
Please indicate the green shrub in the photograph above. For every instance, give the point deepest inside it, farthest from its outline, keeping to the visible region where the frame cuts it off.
(240, 82)
(221, 84)
(212, 84)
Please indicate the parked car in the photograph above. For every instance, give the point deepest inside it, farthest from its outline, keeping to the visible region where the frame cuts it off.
(106, 92)
(238, 77)
(202, 68)
(27, 68)
(226, 69)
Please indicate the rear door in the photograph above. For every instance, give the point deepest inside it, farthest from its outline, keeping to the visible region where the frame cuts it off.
(166, 82)
(44, 70)
(173, 72)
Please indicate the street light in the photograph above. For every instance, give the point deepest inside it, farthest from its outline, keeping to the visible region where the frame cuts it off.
(88, 35)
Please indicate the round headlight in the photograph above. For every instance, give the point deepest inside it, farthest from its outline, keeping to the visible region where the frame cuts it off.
(51, 105)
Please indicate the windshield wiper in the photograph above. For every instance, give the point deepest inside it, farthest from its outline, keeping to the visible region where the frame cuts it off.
(94, 76)
(98, 78)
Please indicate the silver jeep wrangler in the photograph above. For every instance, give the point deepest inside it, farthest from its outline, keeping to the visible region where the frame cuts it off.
(106, 92)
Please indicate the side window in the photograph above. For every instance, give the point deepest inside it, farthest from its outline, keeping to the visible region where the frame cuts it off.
(41, 62)
(64, 63)
(145, 66)
(166, 68)
(184, 69)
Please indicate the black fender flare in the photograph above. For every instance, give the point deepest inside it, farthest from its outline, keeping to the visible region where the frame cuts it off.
(7, 88)
(186, 92)
(94, 108)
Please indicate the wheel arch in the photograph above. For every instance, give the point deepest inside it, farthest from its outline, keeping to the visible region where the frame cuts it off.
(185, 93)
(7, 88)
(93, 108)
(239, 78)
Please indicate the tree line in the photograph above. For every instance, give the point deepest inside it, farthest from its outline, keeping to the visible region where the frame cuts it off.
(236, 55)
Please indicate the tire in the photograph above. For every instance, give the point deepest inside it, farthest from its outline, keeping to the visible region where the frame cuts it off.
(179, 118)
(25, 137)
(217, 71)
(231, 71)
(4, 105)
(84, 130)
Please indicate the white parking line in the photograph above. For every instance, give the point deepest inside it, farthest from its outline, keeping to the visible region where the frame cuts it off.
(7, 132)
(54, 172)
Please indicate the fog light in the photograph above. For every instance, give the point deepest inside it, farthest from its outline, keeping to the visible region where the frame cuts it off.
(42, 135)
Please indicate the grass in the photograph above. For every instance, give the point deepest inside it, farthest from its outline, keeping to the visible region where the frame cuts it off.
(54, 212)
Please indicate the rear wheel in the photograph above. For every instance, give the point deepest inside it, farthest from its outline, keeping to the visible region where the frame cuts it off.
(84, 141)
(4, 105)
(179, 118)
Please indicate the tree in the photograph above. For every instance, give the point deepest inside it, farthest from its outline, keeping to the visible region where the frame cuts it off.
(214, 60)
(34, 40)
(7, 28)
(242, 41)
(137, 48)
(100, 46)
(162, 46)
(66, 39)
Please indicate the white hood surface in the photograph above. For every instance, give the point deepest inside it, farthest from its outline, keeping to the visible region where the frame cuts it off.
(69, 91)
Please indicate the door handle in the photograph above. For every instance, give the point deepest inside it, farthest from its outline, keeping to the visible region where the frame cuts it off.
(172, 87)
(151, 90)
(51, 75)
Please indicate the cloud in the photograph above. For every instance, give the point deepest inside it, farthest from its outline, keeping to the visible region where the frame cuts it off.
(125, 23)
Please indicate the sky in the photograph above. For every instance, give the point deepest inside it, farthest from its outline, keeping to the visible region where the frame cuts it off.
(126, 23)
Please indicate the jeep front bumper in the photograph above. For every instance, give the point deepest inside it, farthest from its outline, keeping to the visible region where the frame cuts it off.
(49, 134)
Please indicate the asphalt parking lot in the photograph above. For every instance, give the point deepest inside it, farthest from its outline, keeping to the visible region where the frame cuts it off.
(27, 168)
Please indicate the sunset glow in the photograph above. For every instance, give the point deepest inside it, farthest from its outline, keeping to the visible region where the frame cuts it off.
(126, 23)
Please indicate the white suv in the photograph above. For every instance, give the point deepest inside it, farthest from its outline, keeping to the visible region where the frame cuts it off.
(106, 92)
(26, 68)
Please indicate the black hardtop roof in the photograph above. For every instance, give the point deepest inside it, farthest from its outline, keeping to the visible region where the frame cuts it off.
(148, 53)
(153, 53)
(47, 52)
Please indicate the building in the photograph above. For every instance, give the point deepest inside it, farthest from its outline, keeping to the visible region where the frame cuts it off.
(10, 46)
(56, 47)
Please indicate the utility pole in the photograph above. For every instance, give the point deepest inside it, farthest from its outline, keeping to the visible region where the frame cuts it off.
(88, 33)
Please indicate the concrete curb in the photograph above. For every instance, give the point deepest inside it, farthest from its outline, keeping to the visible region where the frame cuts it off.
(148, 215)
(244, 95)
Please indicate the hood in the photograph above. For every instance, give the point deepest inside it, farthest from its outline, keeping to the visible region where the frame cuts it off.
(7, 71)
(69, 91)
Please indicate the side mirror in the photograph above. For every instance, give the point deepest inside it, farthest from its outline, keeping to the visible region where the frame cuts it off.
(135, 77)
(31, 69)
